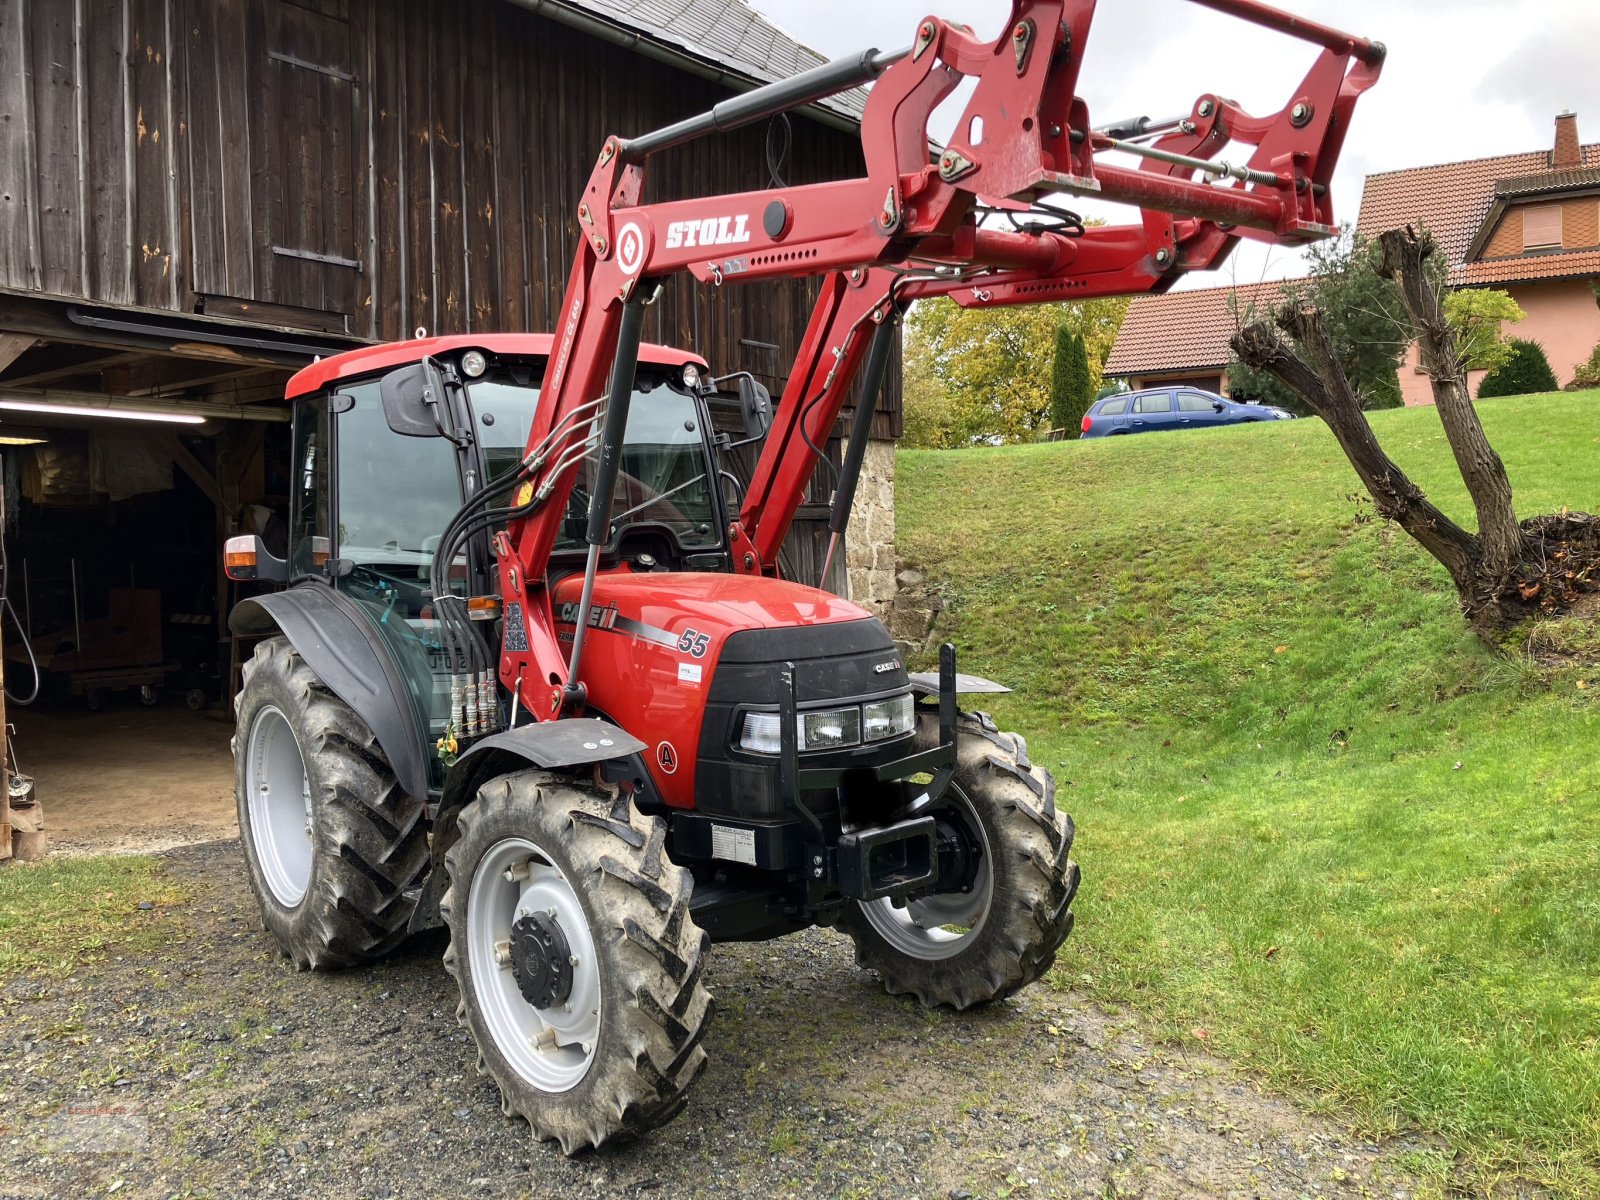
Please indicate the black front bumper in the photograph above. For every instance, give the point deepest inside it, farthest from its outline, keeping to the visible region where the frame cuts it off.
(836, 855)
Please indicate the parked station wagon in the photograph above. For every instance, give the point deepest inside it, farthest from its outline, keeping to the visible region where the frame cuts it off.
(1171, 408)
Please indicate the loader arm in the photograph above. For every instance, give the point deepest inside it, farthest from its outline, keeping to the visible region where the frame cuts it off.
(908, 228)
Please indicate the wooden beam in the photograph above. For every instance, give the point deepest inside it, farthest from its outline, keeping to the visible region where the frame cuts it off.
(83, 366)
(12, 345)
(182, 376)
(192, 468)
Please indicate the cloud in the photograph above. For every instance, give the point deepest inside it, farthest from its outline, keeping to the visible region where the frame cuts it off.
(1553, 68)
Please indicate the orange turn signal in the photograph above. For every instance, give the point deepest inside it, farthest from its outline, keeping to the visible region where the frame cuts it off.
(483, 608)
(239, 557)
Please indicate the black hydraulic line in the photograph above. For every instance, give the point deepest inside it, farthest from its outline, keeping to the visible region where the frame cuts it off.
(623, 369)
(877, 366)
(807, 87)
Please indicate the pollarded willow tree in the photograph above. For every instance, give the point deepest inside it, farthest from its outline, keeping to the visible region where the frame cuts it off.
(1509, 570)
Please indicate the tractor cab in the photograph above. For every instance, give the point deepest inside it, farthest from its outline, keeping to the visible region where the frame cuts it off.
(371, 496)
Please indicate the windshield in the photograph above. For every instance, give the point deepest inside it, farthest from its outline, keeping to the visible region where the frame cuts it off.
(663, 480)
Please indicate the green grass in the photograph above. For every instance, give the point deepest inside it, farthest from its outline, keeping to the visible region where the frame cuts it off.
(61, 915)
(1319, 824)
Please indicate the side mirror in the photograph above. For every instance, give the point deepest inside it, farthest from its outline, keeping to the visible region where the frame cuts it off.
(246, 558)
(1218, 405)
(411, 398)
(755, 406)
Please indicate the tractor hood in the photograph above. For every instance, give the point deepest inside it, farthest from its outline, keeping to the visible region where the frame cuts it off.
(665, 649)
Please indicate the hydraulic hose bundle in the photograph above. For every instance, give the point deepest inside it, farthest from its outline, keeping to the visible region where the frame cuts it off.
(474, 707)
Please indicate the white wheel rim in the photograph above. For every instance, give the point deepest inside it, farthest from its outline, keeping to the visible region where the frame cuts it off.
(278, 797)
(919, 928)
(551, 1048)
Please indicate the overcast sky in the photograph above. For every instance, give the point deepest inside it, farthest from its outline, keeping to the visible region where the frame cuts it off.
(1464, 78)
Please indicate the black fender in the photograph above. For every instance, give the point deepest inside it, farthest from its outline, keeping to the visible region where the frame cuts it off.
(336, 638)
(569, 742)
(552, 745)
(926, 683)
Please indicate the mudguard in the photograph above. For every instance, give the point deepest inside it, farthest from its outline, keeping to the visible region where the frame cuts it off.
(337, 641)
(571, 742)
(926, 683)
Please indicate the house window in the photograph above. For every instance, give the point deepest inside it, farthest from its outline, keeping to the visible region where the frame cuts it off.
(1541, 227)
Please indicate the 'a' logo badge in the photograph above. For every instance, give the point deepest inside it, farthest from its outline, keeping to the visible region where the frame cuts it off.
(667, 757)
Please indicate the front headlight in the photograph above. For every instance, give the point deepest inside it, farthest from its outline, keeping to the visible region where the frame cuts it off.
(830, 728)
(888, 718)
(761, 733)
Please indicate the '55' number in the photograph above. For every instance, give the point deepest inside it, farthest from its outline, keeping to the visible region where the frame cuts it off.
(693, 642)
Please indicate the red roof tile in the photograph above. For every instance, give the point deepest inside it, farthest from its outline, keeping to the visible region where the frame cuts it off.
(1186, 329)
(1452, 200)
(1529, 267)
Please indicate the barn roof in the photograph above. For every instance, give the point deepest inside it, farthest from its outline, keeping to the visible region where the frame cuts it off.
(727, 34)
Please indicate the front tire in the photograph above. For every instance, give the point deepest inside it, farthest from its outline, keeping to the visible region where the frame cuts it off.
(335, 846)
(578, 962)
(966, 949)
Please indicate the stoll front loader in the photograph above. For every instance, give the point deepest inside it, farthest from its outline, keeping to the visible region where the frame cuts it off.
(532, 679)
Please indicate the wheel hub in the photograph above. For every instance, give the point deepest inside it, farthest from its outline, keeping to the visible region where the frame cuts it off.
(541, 959)
(959, 855)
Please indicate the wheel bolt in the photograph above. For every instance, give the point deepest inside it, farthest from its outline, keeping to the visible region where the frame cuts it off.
(502, 954)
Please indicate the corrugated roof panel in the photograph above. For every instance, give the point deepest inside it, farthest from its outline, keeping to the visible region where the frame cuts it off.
(725, 33)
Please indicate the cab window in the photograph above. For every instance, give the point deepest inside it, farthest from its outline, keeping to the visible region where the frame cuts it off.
(663, 481)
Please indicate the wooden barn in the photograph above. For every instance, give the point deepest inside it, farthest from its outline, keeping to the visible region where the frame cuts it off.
(197, 197)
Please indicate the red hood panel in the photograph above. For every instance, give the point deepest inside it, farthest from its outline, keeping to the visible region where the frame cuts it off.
(653, 646)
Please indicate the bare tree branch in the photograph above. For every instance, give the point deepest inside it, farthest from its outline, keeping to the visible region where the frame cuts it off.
(1403, 259)
(1328, 393)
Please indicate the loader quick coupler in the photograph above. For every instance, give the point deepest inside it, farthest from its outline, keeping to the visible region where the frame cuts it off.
(541, 959)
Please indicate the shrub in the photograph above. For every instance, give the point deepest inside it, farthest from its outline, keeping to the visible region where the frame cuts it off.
(1587, 374)
(1525, 372)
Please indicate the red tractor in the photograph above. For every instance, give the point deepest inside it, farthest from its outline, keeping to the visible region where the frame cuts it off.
(533, 677)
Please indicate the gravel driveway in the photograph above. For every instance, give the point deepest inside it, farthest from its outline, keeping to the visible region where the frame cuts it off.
(219, 1071)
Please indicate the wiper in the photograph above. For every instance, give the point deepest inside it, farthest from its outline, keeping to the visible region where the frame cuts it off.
(617, 520)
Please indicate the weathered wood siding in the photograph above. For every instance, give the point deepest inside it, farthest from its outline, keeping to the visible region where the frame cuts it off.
(371, 166)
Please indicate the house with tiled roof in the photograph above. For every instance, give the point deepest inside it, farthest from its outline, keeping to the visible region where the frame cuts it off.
(1528, 223)
(1181, 339)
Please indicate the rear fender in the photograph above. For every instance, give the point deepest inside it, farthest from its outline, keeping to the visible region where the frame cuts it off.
(337, 641)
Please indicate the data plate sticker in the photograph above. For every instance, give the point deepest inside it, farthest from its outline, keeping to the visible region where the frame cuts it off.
(688, 672)
(733, 845)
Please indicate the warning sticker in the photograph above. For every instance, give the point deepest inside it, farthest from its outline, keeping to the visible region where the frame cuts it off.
(688, 672)
(733, 845)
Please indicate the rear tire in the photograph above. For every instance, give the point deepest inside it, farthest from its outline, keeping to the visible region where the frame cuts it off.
(611, 1050)
(1007, 931)
(335, 846)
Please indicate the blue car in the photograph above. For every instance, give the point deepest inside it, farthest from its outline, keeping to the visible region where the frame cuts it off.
(1171, 408)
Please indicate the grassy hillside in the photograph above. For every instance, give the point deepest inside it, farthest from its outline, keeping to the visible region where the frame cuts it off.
(1321, 829)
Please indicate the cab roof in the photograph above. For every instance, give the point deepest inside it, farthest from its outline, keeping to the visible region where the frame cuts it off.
(370, 359)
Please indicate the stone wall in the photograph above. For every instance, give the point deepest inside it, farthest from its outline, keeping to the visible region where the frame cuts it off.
(869, 541)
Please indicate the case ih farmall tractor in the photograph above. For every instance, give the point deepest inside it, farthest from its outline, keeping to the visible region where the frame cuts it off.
(532, 678)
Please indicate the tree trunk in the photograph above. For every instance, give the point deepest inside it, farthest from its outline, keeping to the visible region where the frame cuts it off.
(1404, 255)
(1329, 395)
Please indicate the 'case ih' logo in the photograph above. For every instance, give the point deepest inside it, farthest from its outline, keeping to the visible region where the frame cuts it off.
(713, 231)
